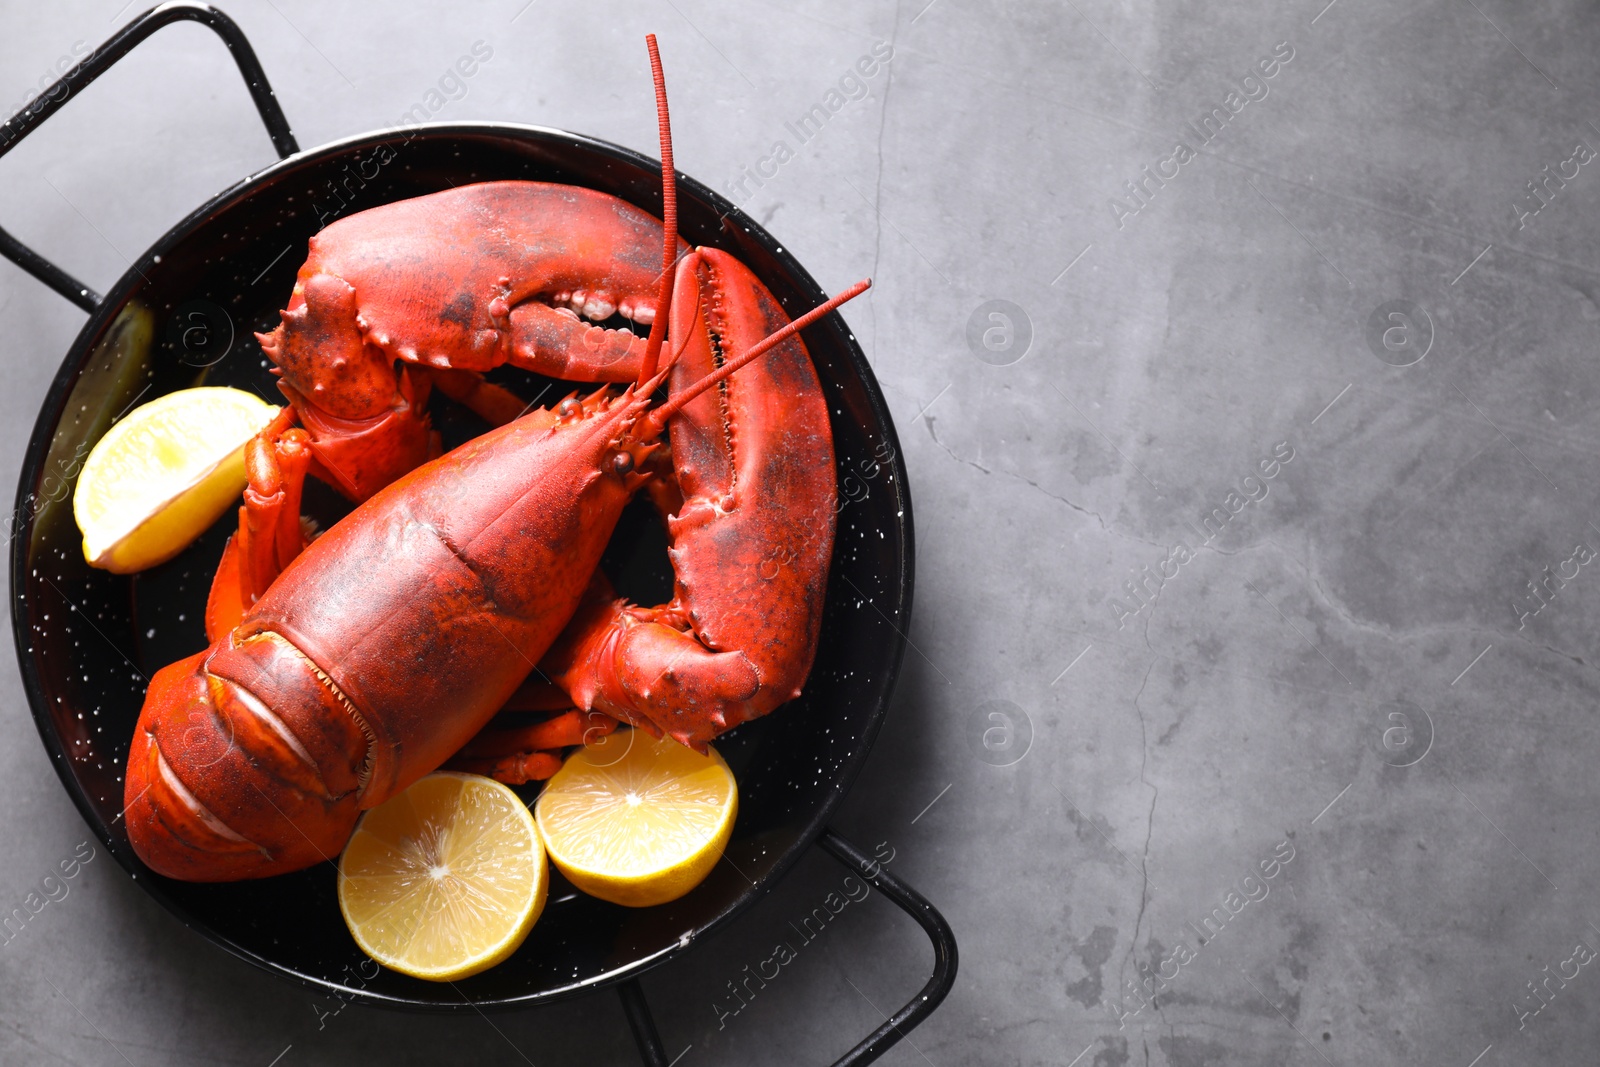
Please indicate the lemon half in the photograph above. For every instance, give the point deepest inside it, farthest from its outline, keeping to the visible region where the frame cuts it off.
(163, 474)
(641, 829)
(445, 879)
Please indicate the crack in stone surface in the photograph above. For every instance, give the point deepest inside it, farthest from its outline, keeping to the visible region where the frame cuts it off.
(974, 464)
(1337, 607)
(1144, 860)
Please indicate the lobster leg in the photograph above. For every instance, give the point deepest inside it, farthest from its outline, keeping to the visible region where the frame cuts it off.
(270, 533)
(519, 754)
(750, 544)
(535, 695)
(514, 749)
(494, 404)
(518, 769)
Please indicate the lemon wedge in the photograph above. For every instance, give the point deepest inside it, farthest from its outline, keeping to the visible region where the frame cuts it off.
(641, 829)
(445, 879)
(162, 475)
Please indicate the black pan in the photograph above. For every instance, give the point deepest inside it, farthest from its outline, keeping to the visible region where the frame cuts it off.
(184, 314)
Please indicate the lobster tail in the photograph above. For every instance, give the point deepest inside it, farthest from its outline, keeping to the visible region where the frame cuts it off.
(241, 765)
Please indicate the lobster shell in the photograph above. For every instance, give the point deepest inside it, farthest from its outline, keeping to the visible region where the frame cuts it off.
(380, 651)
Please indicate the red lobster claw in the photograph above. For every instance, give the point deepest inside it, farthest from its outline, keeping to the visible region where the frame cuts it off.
(750, 545)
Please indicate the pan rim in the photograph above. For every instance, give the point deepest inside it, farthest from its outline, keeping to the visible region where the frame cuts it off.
(53, 408)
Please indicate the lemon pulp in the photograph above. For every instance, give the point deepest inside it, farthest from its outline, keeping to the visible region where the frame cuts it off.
(638, 821)
(445, 879)
(163, 474)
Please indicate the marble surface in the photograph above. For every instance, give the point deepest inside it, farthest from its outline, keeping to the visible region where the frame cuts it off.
(1233, 732)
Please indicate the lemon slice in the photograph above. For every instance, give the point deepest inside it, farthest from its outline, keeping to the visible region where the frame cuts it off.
(642, 829)
(163, 474)
(445, 879)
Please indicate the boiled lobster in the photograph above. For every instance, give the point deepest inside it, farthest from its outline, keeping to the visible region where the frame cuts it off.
(352, 664)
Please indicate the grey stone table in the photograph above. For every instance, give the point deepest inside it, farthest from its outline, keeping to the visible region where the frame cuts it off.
(1251, 714)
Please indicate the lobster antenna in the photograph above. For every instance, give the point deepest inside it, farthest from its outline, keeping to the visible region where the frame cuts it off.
(669, 218)
(658, 418)
(650, 385)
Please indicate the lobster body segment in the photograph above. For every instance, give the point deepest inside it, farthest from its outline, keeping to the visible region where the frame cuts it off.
(428, 616)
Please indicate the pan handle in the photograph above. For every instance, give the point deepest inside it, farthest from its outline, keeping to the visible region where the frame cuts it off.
(96, 63)
(895, 1026)
(932, 922)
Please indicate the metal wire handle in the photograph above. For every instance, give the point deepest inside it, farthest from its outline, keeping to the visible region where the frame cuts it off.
(96, 63)
(918, 1008)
